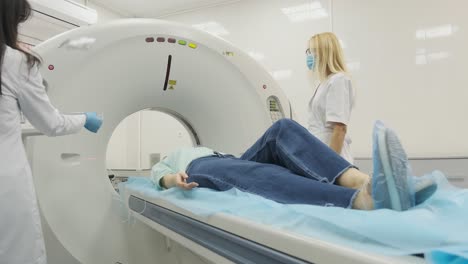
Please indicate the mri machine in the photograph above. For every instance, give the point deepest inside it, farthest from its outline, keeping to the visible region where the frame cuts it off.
(222, 96)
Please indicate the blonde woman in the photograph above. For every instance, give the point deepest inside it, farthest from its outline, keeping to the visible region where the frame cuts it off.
(331, 105)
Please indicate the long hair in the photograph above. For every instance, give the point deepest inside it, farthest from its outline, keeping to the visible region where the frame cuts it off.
(329, 54)
(13, 13)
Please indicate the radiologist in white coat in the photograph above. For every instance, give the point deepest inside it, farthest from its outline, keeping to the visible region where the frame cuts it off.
(332, 102)
(22, 90)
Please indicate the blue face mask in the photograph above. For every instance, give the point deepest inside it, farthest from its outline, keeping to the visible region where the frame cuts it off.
(310, 61)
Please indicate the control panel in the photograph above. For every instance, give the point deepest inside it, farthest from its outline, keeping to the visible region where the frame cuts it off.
(276, 111)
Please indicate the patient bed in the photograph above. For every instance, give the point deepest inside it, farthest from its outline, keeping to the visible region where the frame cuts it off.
(245, 228)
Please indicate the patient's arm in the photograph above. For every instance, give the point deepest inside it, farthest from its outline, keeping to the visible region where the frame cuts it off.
(177, 180)
(169, 172)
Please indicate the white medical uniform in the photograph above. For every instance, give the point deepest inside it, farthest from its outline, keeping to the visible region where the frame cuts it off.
(332, 102)
(21, 240)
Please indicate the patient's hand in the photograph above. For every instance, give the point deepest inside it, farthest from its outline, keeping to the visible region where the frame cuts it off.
(178, 180)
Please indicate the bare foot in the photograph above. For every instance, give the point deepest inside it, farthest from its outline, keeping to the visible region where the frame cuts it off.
(353, 178)
(363, 200)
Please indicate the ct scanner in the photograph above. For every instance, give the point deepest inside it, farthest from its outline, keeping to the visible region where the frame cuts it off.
(222, 96)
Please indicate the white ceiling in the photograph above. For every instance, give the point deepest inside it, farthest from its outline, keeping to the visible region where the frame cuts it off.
(157, 8)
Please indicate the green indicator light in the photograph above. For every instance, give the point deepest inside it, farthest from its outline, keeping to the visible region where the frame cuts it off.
(182, 42)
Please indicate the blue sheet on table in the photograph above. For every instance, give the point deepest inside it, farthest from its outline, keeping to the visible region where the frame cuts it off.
(438, 226)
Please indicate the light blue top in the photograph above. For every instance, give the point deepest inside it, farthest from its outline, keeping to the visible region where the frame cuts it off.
(177, 162)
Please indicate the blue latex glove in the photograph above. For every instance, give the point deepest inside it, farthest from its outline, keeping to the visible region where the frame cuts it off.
(93, 122)
(310, 61)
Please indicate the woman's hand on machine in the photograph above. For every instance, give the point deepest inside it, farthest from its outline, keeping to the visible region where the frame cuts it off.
(93, 122)
(178, 180)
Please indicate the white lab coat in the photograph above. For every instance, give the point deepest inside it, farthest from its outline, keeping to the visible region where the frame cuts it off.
(21, 240)
(332, 102)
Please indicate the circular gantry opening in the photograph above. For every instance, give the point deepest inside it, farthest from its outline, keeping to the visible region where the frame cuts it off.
(141, 140)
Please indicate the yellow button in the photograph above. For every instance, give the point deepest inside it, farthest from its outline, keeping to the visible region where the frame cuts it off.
(192, 45)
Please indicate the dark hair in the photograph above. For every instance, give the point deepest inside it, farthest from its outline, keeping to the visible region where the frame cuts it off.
(12, 13)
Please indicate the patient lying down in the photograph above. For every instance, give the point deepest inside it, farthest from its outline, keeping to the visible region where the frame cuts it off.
(289, 165)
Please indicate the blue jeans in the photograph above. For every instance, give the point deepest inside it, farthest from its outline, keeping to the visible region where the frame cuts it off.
(287, 164)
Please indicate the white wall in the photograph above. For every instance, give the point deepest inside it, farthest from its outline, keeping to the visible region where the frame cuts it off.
(142, 134)
(425, 103)
(161, 133)
(412, 57)
(104, 13)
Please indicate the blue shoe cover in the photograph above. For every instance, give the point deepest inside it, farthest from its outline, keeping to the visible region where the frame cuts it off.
(392, 187)
(424, 188)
